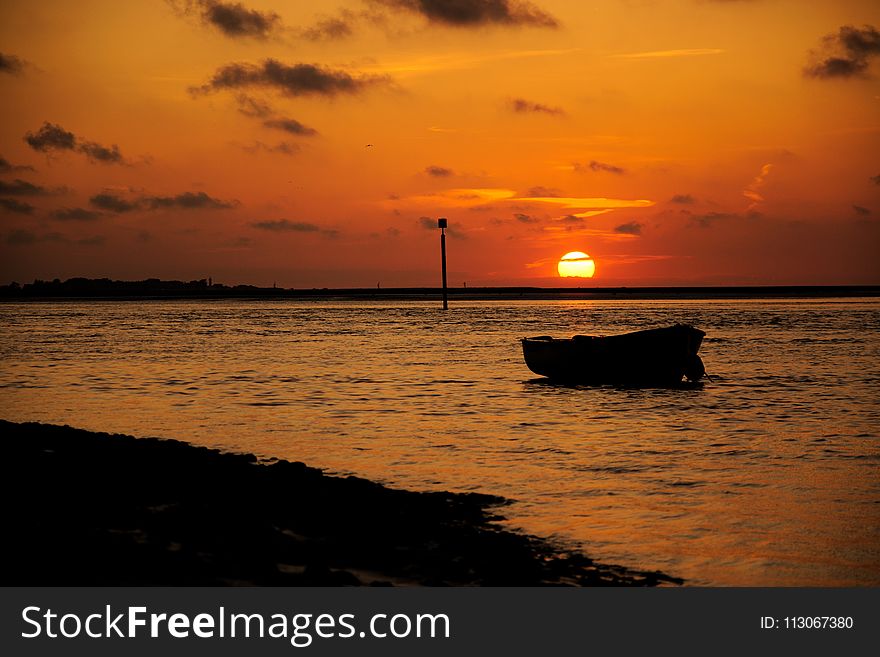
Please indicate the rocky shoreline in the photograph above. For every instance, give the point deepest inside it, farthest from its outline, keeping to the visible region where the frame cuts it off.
(90, 509)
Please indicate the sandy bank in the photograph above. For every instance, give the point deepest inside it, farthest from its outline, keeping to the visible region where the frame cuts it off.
(84, 508)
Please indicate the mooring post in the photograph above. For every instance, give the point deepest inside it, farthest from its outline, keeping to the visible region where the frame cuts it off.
(441, 222)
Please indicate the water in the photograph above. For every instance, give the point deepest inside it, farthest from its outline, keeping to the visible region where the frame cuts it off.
(766, 476)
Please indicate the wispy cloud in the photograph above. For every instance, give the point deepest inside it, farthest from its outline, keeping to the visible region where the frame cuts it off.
(751, 190)
(287, 226)
(183, 201)
(438, 172)
(663, 54)
(523, 106)
(601, 167)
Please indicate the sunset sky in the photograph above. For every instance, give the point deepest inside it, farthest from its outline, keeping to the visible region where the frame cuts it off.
(677, 142)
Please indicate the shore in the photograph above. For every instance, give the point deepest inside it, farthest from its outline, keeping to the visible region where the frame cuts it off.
(90, 509)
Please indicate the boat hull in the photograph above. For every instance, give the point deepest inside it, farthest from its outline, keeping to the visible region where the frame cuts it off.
(653, 357)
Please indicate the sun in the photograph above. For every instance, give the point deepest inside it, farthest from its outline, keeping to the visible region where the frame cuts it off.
(576, 264)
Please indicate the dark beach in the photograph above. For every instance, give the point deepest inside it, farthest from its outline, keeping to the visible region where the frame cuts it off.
(85, 508)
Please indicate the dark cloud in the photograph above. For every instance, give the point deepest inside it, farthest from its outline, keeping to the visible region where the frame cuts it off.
(96, 240)
(20, 237)
(292, 126)
(100, 153)
(75, 214)
(52, 137)
(543, 192)
(706, 220)
(438, 172)
(253, 107)
(525, 218)
(684, 199)
(236, 20)
(112, 203)
(283, 225)
(858, 209)
(11, 205)
(233, 19)
(470, 13)
(7, 167)
(522, 106)
(428, 223)
(572, 219)
(186, 201)
(22, 188)
(292, 80)
(284, 148)
(11, 64)
(875, 179)
(845, 54)
(631, 228)
(593, 165)
(330, 29)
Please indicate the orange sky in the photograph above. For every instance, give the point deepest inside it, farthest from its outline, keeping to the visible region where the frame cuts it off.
(675, 141)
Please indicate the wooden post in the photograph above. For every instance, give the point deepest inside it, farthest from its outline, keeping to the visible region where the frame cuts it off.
(441, 222)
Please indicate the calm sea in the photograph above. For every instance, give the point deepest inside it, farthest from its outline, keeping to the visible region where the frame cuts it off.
(767, 475)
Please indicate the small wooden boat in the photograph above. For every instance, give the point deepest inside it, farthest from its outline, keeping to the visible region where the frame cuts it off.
(654, 357)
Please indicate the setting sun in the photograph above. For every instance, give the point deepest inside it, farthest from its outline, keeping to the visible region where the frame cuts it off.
(576, 264)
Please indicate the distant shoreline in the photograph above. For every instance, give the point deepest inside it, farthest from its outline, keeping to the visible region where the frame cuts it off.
(154, 289)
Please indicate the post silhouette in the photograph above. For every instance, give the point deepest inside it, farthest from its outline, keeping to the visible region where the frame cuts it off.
(441, 222)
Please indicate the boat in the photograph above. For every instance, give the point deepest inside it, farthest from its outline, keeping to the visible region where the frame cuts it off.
(660, 356)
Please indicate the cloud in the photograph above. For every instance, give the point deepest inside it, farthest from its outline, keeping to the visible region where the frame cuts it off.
(593, 165)
(543, 191)
(525, 218)
(253, 107)
(285, 226)
(283, 147)
(186, 201)
(100, 153)
(751, 190)
(233, 19)
(22, 188)
(875, 179)
(19, 237)
(663, 54)
(11, 205)
(183, 201)
(75, 214)
(706, 220)
(684, 199)
(291, 80)
(96, 240)
(523, 106)
(438, 172)
(11, 64)
(112, 203)
(52, 137)
(7, 167)
(292, 126)
(846, 54)
(599, 203)
(473, 13)
(331, 28)
(428, 223)
(631, 228)
(858, 209)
